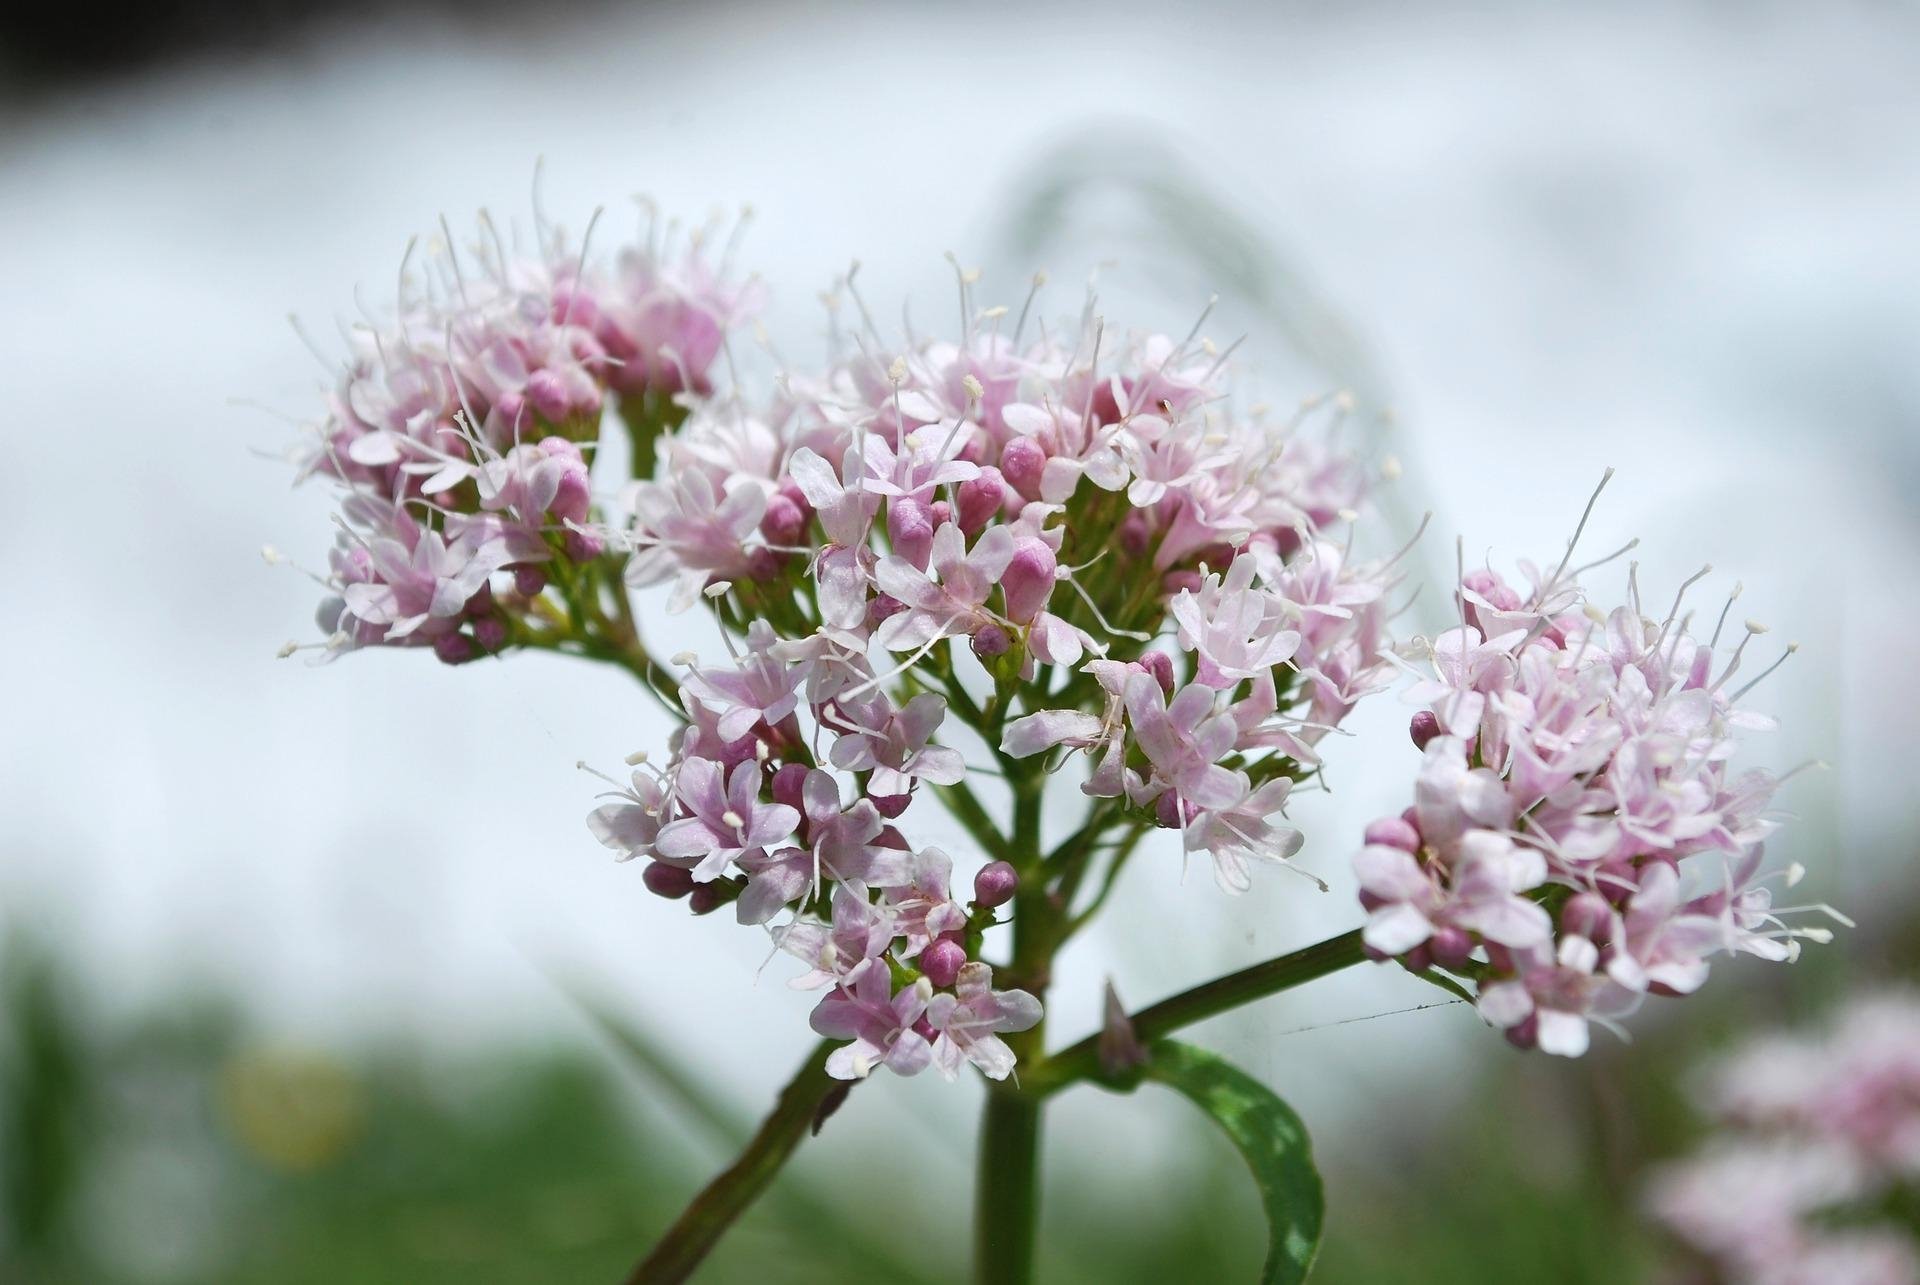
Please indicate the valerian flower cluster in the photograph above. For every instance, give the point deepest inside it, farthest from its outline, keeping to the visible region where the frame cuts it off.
(981, 562)
(1818, 1141)
(1577, 840)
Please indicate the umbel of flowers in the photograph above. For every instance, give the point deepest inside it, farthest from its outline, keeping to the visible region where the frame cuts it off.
(950, 572)
(1578, 840)
(1814, 1158)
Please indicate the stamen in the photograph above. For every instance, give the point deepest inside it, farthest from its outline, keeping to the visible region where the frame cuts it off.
(1553, 581)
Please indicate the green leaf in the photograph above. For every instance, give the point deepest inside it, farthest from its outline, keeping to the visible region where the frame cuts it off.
(1270, 1138)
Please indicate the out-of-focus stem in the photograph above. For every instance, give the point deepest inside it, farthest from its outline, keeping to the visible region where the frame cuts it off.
(714, 1210)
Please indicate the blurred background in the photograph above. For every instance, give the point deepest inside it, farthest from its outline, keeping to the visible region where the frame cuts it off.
(315, 974)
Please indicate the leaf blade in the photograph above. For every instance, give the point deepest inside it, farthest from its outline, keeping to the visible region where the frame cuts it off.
(1269, 1137)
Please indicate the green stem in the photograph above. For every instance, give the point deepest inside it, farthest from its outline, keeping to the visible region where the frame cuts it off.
(1082, 1061)
(714, 1210)
(1007, 1188)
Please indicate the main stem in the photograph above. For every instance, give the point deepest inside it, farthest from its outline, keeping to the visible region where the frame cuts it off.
(1006, 1210)
(714, 1210)
(1007, 1188)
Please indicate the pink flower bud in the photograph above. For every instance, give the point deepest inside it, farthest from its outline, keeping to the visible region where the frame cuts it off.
(511, 407)
(490, 632)
(990, 641)
(1029, 578)
(790, 489)
(1160, 665)
(1525, 1034)
(1371, 901)
(584, 546)
(1419, 959)
(573, 306)
(995, 884)
(784, 523)
(1171, 812)
(1178, 581)
(1424, 728)
(529, 581)
(667, 881)
(941, 511)
(788, 785)
(890, 805)
(941, 962)
(549, 395)
(882, 606)
(1135, 533)
(573, 499)
(1452, 947)
(910, 530)
(706, 898)
(1394, 833)
(762, 563)
(892, 838)
(1588, 915)
(1021, 463)
(980, 500)
(454, 649)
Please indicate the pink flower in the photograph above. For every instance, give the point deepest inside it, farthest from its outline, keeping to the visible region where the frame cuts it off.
(630, 826)
(686, 531)
(1235, 628)
(894, 744)
(971, 1020)
(879, 1021)
(949, 596)
(726, 820)
(1184, 740)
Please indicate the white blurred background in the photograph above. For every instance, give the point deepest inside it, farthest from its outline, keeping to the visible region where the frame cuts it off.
(1682, 240)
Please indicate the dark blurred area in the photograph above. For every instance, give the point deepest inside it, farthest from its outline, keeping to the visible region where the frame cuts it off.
(46, 47)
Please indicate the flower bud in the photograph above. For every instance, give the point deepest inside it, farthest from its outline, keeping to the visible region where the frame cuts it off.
(1136, 535)
(910, 530)
(454, 649)
(1588, 915)
(762, 563)
(892, 838)
(1525, 1034)
(990, 641)
(510, 407)
(1160, 665)
(549, 395)
(995, 884)
(1424, 728)
(667, 881)
(941, 962)
(890, 805)
(706, 898)
(1452, 947)
(1022, 461)
(980, 500)
(784, 522)
(584, 546)
(789, 785)
(529, 581)
(1419, 959)
(1028, 581)
(941, 512)
(882, 606)
(490, 632)
(1181, 581)
(574, 306)
(1170, 811)
(1392, 832)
